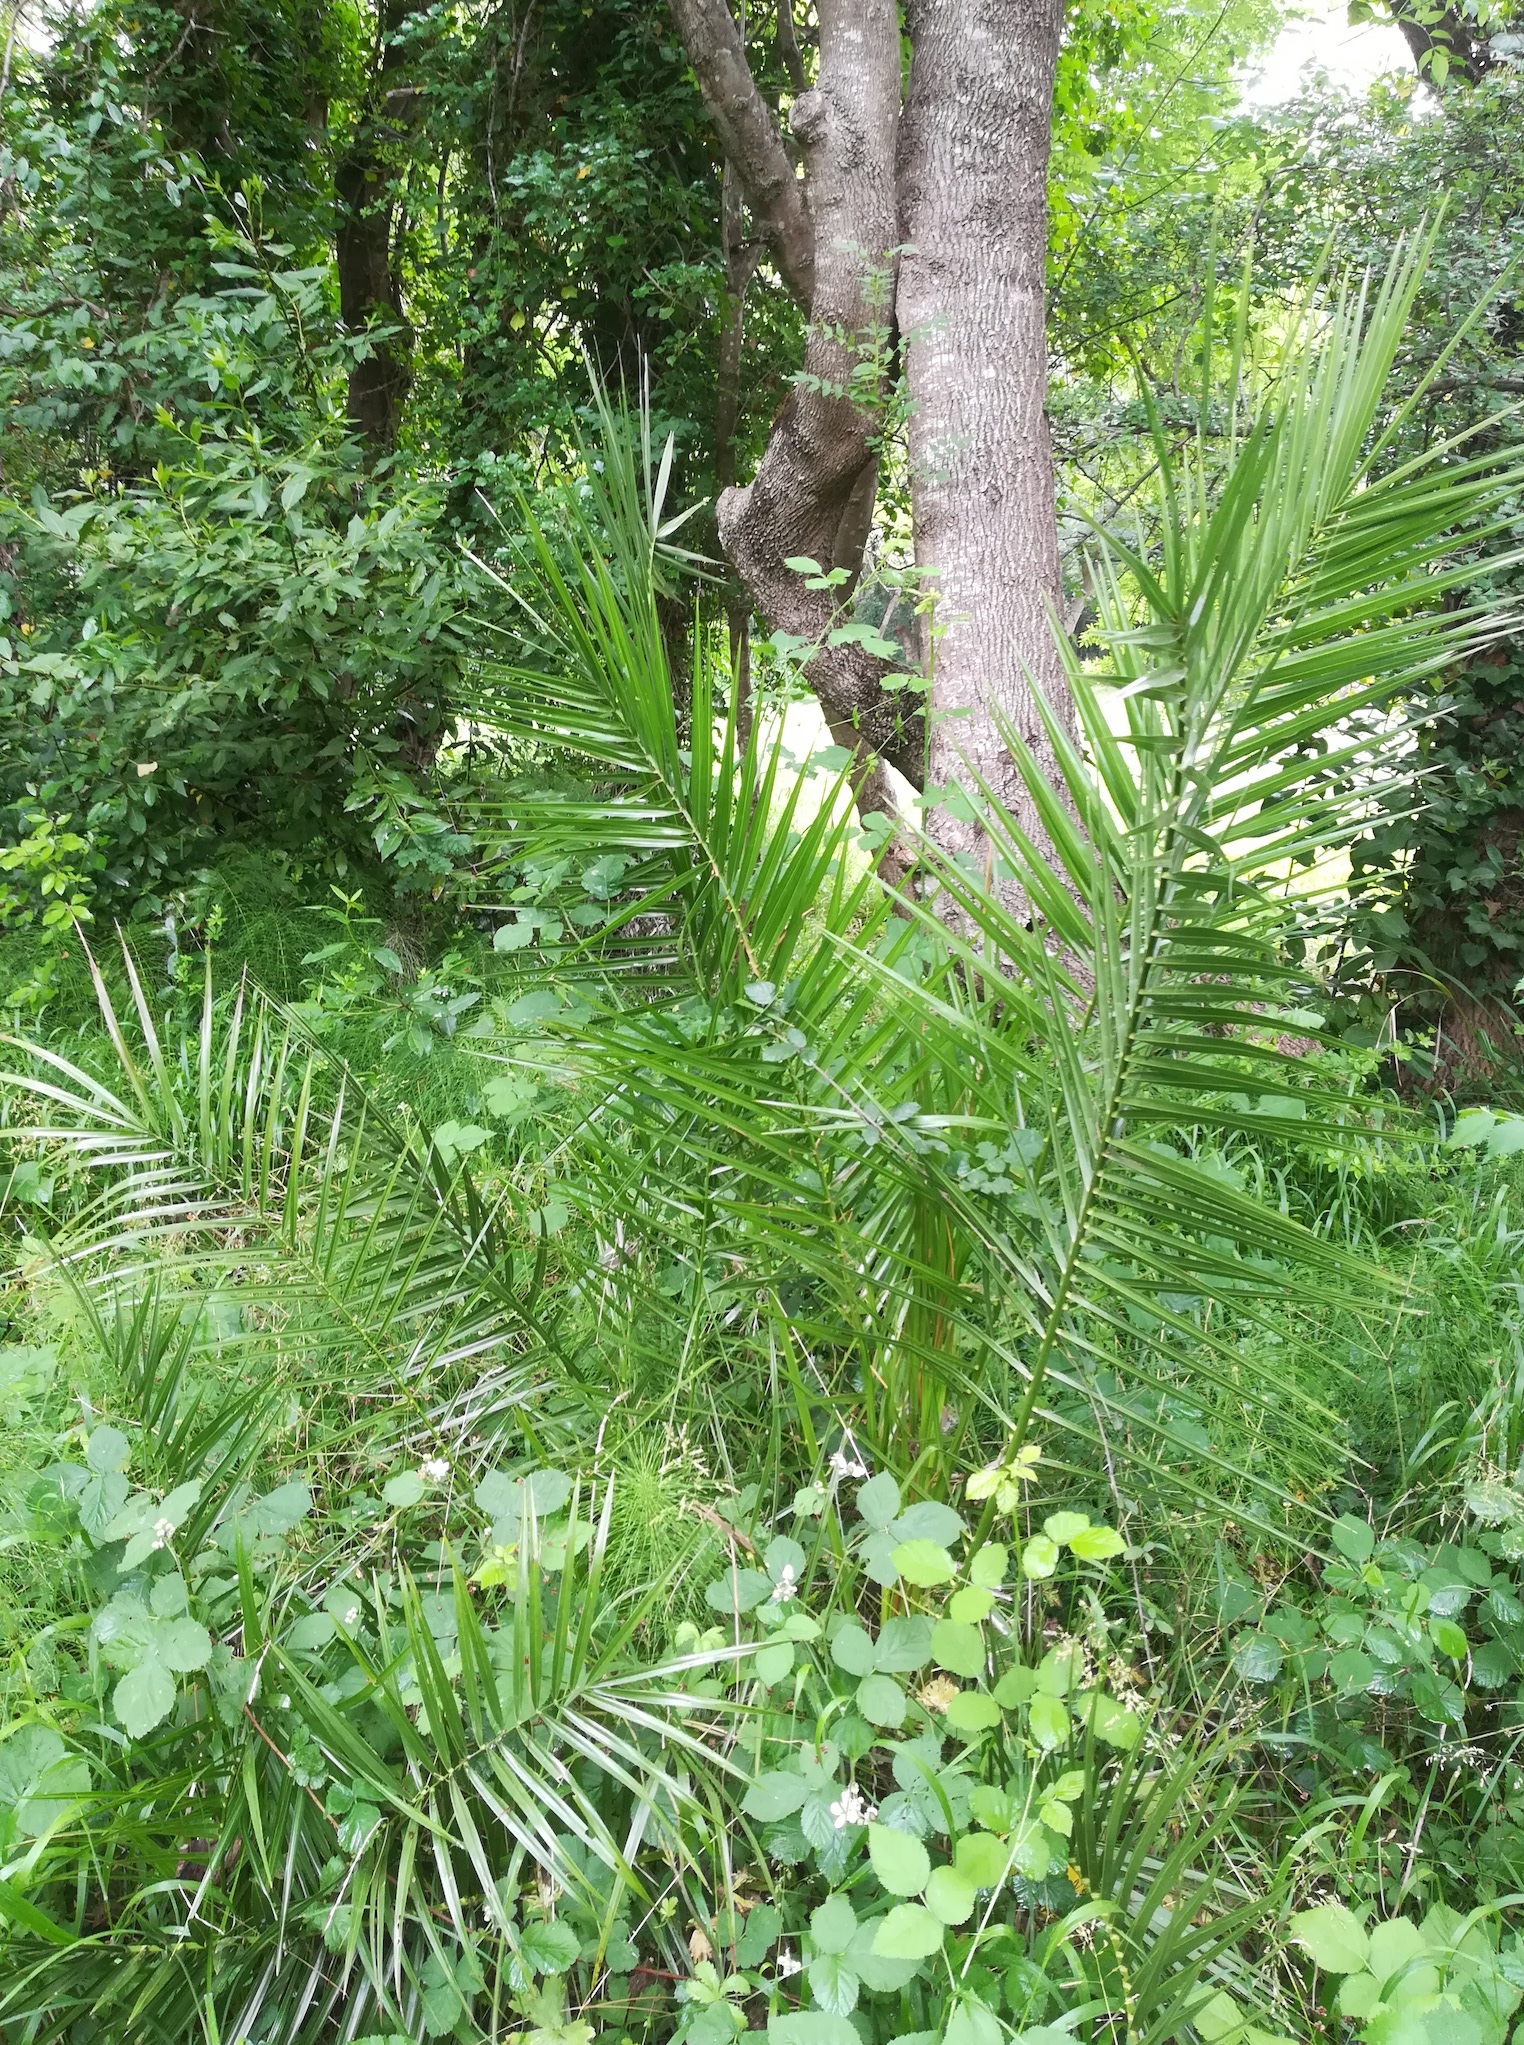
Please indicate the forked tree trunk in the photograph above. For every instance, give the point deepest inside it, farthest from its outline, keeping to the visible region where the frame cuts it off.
(973, 168)
(834, 240)
(959, 185)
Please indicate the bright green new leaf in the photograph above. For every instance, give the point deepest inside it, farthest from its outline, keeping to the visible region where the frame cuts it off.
(1334, 1938)
(950, 1896)
(923, 1563)
(909, 1932)
(899, 1860)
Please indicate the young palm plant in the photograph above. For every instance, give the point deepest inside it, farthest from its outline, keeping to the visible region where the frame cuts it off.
(932, 1177)
(963, 1171)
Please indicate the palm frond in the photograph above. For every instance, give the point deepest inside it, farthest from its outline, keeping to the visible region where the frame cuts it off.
(714, 827)
(1106, 1018)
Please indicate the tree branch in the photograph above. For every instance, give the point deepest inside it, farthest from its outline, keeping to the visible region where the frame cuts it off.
(751, 139)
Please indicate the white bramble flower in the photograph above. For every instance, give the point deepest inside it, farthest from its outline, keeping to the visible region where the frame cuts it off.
(786, 1587)
(851, 1809)
(434, 1471)
(162, 1530)
(845, 1462)
(788, 1966)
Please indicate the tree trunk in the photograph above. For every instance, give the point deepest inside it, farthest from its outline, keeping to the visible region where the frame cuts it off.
(741, 258)
(812, 495)
(369, 294)
(973, 192)
(1464, 54)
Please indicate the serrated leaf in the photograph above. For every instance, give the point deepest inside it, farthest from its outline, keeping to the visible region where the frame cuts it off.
(1334, 1938)
(988, 1567)
(1050, 1722)
(923, 1563)
(971, 1711)
(549, 1948)
(909, 1932)
(881, 1701)
(832, 1925)
(958, 1648)
(1257, 1658)
(144, 1698)
(878, 1500)
(900, 1861)
(778, 1794)
(950, 1896)
(833, 1983)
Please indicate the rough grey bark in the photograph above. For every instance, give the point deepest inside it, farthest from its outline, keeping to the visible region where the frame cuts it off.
(812, 495)
(972, 177)
(750, 135)
(741, 258)
(959, 183)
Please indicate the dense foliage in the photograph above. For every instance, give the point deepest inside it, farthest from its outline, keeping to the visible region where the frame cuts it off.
(613, 1427)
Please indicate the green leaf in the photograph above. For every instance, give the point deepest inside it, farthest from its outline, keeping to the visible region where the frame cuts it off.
(972, 2024)
(144, 1698)
(833, 1983)
(1049, 1721)
(879, 1500)
(958, 1648)
(1359, 1996)
(900, 1861)
(1112, 1723)
(1097, 1544)
(1217, 2017)
(929, 1520)
(403, 1490)
(811, 2027)
(1257, 1658)
(1351, 1670)
(1332, 1935)
(881, 1700)
(832, 1925)
(549, 1948)
(108, 1449)
(1353, 1538)
(1015, 1687)
(950, 1896)
(778, 1794)
(1393, 1945)
(1063, 1526)
(904, 1645)
(971, 1711)
(1448, 1638)
(182, 1644)
(882, 1976)
(980, 1858)
(923, 1563)
(853, 1649)
(1039, 1558)
(773, 1662)
(909, 1932)
(989, 1565)
(39, 1778)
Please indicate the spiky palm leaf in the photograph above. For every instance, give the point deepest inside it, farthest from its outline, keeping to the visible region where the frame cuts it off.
(1120, 984)
(722, 858)
(249, 1161)
(541, 1742)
